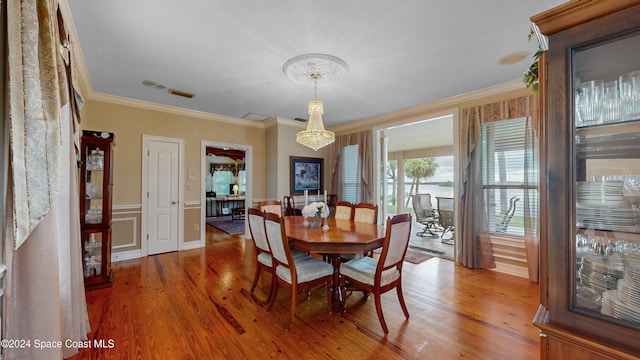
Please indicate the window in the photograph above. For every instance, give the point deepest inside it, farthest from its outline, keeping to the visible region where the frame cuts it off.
(350, 173)
(509, 184)
(221, 181)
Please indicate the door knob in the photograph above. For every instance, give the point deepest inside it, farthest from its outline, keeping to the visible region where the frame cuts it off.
(174, 202)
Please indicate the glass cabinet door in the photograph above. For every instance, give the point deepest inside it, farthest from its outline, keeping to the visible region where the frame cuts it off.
(95, 207)
(92, 253)
(606, 179)
(94, 185)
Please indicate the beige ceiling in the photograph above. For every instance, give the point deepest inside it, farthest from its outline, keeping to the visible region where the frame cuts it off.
(230, 53)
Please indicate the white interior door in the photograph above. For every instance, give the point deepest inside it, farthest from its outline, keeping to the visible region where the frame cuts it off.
(163, 195)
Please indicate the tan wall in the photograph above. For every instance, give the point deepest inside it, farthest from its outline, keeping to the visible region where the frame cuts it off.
(289, 148)
(129, 124)
(125, 229)
(192, 221)
(271, 176)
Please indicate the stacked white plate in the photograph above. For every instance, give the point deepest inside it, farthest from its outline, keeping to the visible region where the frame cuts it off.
(625, 311)
(631, 183)
(601, 194)
(624, 302)
(622, 219)
(628, 292)
(602, 205)
(601, 273)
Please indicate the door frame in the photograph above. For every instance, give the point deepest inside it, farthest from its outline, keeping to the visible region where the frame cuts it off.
(379, 130)
(146, 139)
(248, 196)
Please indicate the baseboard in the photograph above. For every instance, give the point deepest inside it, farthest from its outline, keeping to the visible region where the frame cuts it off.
(126, 255)
(196, 244)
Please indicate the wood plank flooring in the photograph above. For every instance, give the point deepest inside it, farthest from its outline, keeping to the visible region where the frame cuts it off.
(195, 304)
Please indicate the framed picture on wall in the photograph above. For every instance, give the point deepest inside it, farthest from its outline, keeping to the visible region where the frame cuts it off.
(306, 174)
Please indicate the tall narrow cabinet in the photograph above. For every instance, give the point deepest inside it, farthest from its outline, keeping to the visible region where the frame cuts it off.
(590, 236)
(96, 174)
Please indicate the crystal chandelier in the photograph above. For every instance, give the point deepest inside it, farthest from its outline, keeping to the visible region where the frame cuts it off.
(317, 68)
(315, 136)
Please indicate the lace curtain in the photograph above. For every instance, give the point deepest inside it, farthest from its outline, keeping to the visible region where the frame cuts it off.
(474, 251)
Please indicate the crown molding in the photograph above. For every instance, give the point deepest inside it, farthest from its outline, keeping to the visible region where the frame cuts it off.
(422, 109)
(172, 109)
(287, 122)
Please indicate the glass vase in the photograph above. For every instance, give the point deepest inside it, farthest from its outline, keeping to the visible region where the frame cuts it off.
(315, 221)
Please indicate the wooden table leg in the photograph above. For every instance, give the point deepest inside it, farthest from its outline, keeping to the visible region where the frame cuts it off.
(337, 292)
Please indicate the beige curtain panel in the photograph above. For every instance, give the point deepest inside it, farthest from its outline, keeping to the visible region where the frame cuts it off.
(475, 250)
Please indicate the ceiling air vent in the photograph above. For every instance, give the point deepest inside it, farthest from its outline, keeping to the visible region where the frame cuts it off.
(181, 93)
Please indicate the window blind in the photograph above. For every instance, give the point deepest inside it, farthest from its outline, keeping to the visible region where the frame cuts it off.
(350, 173)
(509, 165)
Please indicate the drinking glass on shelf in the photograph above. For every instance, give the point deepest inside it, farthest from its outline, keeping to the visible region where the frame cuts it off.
(630, 95)
(611, 103)
(589, 96)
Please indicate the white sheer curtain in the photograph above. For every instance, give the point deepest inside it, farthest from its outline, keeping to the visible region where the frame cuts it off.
(44, 285)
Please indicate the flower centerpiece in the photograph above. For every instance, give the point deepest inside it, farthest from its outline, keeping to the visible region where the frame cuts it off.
(316, 211)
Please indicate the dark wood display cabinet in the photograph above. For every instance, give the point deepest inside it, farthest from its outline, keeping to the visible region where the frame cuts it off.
(590, 154)
(96, 173)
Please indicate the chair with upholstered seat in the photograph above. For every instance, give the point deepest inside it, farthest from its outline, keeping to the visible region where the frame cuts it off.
(271, 206)
(425, 214)
(261, 246)
(296, 274)
(344, 210)
(263, 254)
(366, 213)
(384, 273)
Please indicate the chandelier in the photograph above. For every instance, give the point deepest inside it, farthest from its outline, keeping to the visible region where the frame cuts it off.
(314, 67)
(315, 136)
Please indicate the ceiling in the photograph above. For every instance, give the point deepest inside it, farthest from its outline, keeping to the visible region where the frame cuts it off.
(230, 54)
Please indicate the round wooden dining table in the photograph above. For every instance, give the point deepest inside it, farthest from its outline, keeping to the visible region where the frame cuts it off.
(342, 237)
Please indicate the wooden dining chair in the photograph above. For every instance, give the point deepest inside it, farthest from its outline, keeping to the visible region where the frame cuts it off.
(296, 274)
(344, 210)
(365, 212)
(290, 206)
(263, 253)
(384, 273)
(264, 260)
(271, 206)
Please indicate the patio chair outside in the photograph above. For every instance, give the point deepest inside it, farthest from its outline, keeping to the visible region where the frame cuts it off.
(425, 214)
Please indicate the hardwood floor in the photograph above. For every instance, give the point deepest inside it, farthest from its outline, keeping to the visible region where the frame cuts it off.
(195, 304)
